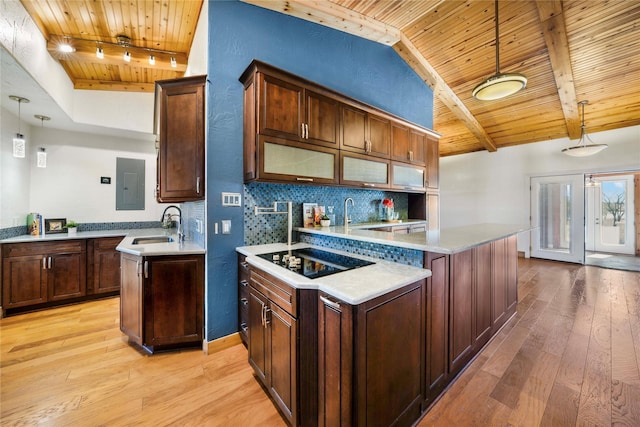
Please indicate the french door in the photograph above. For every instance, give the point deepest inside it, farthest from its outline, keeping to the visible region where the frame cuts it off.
(610, 213)
(557, 218)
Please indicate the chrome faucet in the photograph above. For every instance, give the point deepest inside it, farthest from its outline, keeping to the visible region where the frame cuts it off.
(347, 220)
(180, 227)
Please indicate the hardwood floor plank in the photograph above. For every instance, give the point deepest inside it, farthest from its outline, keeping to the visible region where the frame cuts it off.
(561, 408)
(625, 406)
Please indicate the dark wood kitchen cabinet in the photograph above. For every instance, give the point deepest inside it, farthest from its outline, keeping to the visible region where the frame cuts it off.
(35, 274)
(179, 123)
(408, 145)
(282, 345)
(433, 162)
(244, 275)
(162, 301)
(292, 111)
(297, 131)
(371, 359)
(364, 132)
(103, 265)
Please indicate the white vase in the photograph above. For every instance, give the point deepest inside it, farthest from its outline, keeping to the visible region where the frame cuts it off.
(72, 231)
(325, 222)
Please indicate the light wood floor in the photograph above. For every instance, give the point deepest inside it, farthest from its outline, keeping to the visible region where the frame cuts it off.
(571, 356)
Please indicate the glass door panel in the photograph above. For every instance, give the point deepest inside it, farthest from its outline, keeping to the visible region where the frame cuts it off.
(557, 218)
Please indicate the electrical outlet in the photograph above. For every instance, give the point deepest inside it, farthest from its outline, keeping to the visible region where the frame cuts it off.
(226, 226)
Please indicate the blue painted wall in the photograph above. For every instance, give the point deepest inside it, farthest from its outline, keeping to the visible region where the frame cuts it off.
(238, 33)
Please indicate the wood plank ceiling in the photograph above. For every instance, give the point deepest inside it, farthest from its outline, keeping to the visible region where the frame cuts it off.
(151, 26)
(570, 51)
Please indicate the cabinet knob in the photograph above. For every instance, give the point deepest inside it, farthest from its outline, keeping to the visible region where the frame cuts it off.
(244, 301)
(244, 283)
(244, 327)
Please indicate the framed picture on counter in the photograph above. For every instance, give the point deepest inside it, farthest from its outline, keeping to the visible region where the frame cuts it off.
(55, 225)
(308, 214)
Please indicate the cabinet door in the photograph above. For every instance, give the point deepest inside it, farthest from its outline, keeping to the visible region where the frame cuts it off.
(181, 153)
(281, 160)
(461, 306)
(433, 162)
(499, 272)
(364, 171)
(335, 368)
(24, 280)
(280, 105)
(418, 148)
(389, 360)
(437, 325)
(482, 295)
(131, 297)
(105, 265)
(173, 300)
(407, 177)
(282, 370)
(353, 123)
(258, 305)
(512, 273)
(321, 122)
(379, 136)
(66, 277)
(407, 145)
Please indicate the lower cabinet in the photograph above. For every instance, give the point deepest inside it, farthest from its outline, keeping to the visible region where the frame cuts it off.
(162, 301)
(35, 274)
(243, 298)
(103, 265)
(371, 358)
(282, 346)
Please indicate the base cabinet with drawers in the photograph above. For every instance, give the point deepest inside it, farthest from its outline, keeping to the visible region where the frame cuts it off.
(162, 301)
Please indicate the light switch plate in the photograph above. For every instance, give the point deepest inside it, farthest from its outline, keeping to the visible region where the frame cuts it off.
(226, 226)
(231, 199)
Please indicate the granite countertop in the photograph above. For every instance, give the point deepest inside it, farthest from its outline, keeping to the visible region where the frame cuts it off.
(444, 241)
(153, 249)
(353, 286)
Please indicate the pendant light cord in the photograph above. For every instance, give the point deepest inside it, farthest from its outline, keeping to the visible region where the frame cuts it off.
(497, 42)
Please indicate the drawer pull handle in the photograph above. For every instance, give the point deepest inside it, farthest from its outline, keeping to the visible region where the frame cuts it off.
(244, 301)
(304, 179)
(244, 264)
(330, 303)
(49, 264)
(366, 184)
(244, 327)
(146, 269)
(244, 283)
(44, 263)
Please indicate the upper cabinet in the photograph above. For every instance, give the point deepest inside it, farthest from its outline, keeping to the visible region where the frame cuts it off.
(433, 162)
(298, 131)
(297, 113)
(364, 132)
(180, 126)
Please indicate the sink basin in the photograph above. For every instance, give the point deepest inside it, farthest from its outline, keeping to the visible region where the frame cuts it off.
(152, 239)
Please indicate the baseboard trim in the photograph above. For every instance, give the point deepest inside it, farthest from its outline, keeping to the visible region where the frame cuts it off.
(222, 343)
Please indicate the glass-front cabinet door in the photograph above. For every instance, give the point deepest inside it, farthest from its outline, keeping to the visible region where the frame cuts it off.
(364, 171)
(283, 160)
(407, 177)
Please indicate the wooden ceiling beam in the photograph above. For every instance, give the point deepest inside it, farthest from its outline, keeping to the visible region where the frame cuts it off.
(334, 16)
(114, 86)
(412, 56)
(555, 36)
(85, 51)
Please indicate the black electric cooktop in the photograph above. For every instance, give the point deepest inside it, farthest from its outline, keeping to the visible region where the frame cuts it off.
(314, 263)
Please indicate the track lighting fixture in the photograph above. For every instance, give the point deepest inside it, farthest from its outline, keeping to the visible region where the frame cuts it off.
(99, 53)
(152, 60)
(174, 64)
(127, 56)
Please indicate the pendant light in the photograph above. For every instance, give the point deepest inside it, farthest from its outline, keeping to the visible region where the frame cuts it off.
(499, 85)
(19, 143)
(41, 155)
(582, 149)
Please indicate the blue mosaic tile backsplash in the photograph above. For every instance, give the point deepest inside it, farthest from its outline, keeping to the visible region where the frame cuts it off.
(261, 229)
(388, 253)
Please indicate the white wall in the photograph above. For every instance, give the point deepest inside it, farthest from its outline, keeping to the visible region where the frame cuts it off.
(69, 187)
(493, 187)
(15, 177)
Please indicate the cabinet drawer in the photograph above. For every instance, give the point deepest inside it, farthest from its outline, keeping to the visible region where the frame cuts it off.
(42, 248)
(274, 289)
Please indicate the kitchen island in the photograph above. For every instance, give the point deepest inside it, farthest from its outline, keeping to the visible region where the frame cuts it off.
(383, 357)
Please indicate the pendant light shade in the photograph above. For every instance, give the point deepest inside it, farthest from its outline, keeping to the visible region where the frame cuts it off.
(585, 147)
(499, 85)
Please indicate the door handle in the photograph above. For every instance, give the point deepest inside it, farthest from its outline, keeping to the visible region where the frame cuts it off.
(49, 266)
(198, 185)
(44, 263)
(146, 269)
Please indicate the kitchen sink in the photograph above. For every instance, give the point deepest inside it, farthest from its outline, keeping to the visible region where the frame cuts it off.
(152, 239)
